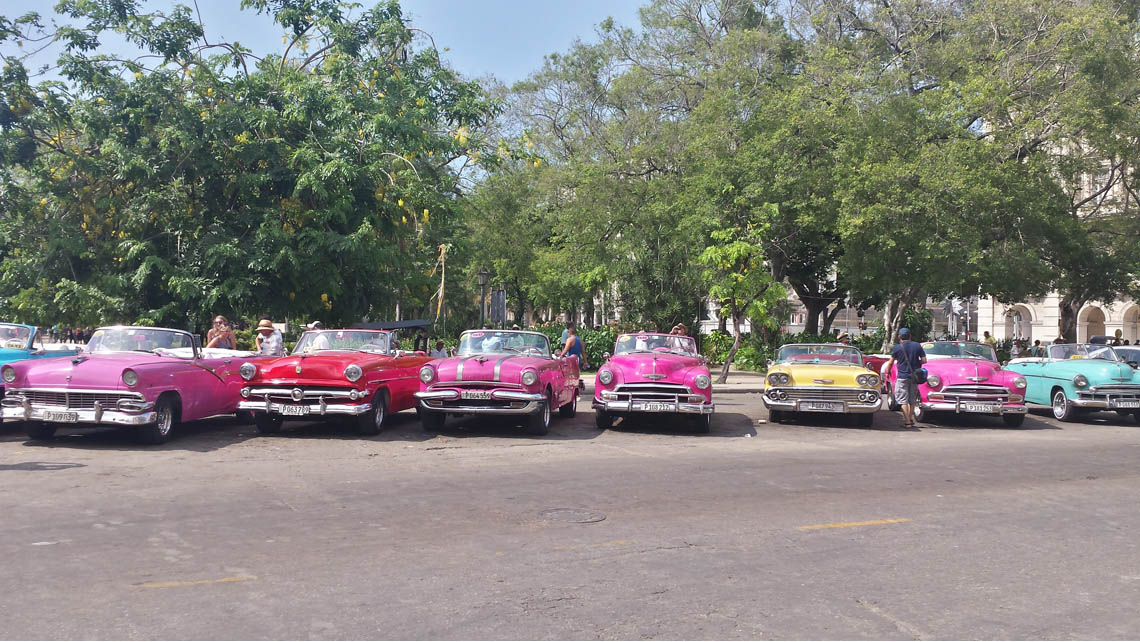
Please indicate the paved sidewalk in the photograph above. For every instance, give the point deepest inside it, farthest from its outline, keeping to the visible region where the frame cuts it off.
(739, 381)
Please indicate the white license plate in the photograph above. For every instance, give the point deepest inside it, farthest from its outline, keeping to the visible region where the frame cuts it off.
(61, 417)
(657, 406)
(821, 406)
(294, 411)
(475, 394)
(1126, 403)
(981, 407)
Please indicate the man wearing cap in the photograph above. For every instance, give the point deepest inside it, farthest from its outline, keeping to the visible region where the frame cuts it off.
(269, 341)
(909, 356)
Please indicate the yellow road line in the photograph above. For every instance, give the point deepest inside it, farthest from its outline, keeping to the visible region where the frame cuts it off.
(874, 522)
(224, 580)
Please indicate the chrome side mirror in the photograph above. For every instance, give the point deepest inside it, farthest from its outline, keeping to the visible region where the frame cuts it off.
(605, 355)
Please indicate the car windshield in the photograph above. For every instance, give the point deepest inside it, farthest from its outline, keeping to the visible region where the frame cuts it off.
(655, 342)
(959, 350)
(820, 353)
(359, 340)
(504, 342)
(1083, 351)
(14, 336)
(120, 339)
(1128, 353)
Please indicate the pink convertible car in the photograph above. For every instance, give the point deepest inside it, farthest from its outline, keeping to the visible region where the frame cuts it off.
(145, 378)
(965, 377)
(499, 372)
(653, 373)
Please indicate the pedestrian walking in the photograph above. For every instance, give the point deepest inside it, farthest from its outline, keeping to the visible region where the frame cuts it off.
(908, 356)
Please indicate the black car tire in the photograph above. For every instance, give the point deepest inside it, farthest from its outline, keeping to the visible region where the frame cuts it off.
(538, 423)
(1013, 421)
(166, 420)
(603, 420)
(1062, 409)
(431, 420)
(569, 410)
(371, 422)
(702, 424)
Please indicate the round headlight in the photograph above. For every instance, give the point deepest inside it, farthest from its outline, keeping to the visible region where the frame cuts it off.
(529, 377)
(702, 381)
(934, 381)
(606, 376)
(1019, 382)
(861, 380)
(130, 377)
(353, 373)
(1080, 381)
(873, 381)
(9, 374)
(427, 373)
(247, 371)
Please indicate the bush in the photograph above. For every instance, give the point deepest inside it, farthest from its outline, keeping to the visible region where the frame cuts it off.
(715, 345)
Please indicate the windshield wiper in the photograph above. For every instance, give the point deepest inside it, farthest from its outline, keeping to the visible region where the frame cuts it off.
(141, 350)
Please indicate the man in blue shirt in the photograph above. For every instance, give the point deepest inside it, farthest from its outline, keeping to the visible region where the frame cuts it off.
(909, 356)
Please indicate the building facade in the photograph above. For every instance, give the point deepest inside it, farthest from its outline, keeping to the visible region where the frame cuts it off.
(1041, 319)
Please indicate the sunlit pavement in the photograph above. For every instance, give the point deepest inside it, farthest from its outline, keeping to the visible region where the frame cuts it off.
(812, 528)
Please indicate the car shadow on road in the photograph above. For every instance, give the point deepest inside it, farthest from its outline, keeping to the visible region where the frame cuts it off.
(950, 421)
(41, 465)
(203, 435)
(723, 424)
(561, 429)
(883, 421)
(1090, 418)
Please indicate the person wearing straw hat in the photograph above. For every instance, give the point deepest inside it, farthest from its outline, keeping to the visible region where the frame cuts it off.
(844, 338)
(269, 341)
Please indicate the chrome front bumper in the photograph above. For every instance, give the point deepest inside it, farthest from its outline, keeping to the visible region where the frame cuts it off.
(793, 405)
(522, 403)
(634, 405)
(318, 409)
(960, 408)
(1103, 404)
(28, 412)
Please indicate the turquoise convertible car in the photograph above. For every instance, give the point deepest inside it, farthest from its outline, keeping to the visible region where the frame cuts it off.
(1081, 376)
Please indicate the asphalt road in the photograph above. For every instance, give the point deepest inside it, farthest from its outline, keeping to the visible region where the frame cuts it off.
(758, 530)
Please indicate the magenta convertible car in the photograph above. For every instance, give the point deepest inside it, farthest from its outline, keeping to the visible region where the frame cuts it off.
(650, 374)
(964, 377)
(500, 372)
(145, 378)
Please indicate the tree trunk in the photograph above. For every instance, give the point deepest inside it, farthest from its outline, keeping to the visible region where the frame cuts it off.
(892, 318)
(737, 320)
(814, 307)
(588, 317)
(1069, 309)
(829, 318)
(722, 321)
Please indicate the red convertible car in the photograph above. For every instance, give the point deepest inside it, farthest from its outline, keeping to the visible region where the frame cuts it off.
(500, 372)
(333, 373)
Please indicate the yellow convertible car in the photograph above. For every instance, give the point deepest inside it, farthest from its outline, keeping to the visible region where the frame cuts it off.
(821, 377)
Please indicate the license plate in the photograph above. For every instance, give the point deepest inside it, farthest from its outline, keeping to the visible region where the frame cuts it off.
(821, 406)
(475, 394)
(61, 417)
(981, 407)
(657, 406)
(294, 411)
(1126, 403)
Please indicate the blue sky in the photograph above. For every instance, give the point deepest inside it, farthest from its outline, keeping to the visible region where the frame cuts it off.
(504, 38)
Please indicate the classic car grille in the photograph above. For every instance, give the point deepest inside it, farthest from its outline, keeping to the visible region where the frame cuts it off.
(478, 403)
(652, 391)
(479, 385)
(282, 394)
(981, 393)
(76, 400)
(823, 394)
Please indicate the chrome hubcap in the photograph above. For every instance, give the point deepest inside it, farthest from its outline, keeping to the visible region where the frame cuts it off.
(1059, 403)
(546, 412)
(379, 415)
(164, 420)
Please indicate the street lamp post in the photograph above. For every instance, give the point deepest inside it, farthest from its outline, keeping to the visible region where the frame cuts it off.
(481, 276)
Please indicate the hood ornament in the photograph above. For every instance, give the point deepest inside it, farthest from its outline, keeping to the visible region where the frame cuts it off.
(298, 369)
(654, 374)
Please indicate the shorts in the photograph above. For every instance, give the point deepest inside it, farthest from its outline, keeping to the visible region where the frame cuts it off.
(906, 392)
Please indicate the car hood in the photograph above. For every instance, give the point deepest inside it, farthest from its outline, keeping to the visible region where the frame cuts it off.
(653, 367)
(96, 371)
(488, 367)
(326, 365)
(1097, 371)
(966, 370)
(820, 374)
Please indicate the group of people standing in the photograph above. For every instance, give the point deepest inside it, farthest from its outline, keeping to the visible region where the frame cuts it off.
(60, 334)
(268, 342)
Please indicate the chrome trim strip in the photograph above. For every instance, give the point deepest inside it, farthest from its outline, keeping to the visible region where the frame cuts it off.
(499, 366)
(947, 406)
(643, 406)
(459, 368)
(313, 394)
(426, 404)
